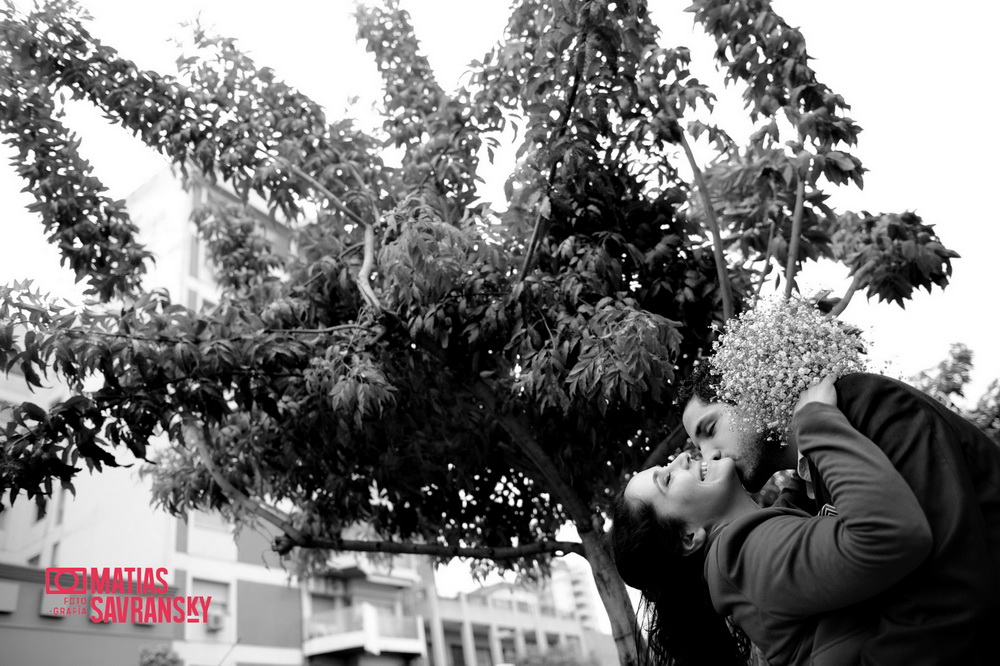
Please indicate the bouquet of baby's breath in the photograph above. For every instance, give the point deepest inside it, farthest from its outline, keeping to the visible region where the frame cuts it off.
(775, 350)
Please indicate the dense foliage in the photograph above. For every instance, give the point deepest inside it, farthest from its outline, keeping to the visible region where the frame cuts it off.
(948, 382)
(461, 380)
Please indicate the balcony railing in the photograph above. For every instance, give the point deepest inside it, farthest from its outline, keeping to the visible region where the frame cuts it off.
(395, 626)
(508, 612)
(364, 627)
(340, 621)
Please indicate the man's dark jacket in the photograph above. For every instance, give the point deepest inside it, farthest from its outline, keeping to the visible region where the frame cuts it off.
(948, 610)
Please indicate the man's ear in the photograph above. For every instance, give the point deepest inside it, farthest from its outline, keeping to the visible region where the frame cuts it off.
(694, 539)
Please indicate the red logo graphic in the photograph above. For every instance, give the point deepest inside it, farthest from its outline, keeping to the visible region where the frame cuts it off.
(123, 594)
(66, 580)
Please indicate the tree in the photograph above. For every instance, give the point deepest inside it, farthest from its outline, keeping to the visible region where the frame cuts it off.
(465, 382)
(159, 655)
(950, 377)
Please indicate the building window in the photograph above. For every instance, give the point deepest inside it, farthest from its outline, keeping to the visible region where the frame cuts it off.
(210, 519)
(210, 588)
(54, 562)
(323, 604)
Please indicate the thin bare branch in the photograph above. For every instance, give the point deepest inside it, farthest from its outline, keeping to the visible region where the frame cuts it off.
(441, 550)
(846, 299)
(713, 226)
(793, 242)
(339, 328)
(294, 537)
(269, 514)
(659, 455)
(529, 255)
(364, 275)
(333, 198)
(522, 439)
(767, 262)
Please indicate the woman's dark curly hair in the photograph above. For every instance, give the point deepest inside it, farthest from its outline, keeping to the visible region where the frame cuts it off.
(683, 627)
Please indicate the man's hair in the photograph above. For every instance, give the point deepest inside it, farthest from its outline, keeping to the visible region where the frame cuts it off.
(702, 384)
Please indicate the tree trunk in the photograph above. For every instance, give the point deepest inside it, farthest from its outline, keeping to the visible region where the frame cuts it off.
(613, 594)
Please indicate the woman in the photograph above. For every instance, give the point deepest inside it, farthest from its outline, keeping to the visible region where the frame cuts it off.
(700, 550)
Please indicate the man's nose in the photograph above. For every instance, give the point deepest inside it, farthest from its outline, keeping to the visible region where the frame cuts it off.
(709, 452)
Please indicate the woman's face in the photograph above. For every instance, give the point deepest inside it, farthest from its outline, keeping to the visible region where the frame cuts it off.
(711, 427)
(697, 492)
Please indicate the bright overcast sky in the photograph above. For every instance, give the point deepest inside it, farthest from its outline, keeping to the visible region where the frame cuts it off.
(918, 75)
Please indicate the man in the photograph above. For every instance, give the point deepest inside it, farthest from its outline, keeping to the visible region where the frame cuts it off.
(946, 610)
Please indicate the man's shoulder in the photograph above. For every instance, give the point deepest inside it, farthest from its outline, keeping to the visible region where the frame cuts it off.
(856, 380)
(866, 388)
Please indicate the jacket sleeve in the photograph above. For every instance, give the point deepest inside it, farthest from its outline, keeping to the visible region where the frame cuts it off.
(942, 613)
(800, 566)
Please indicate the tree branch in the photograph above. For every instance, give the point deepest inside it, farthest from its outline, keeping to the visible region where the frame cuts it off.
(364, 275)
(767, 262)
(339, 328)
(521, 437)
(846, 299)
(294, 537)
(440, 550)
(793, 242)
(713, 227)
(369, 256)
(666, 445)
(563, 125)
(234, 493)
(318, 186)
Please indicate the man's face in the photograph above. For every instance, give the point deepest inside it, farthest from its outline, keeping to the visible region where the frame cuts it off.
(712, 429)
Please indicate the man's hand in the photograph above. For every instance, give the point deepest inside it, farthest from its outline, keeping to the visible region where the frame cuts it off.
(823, 391)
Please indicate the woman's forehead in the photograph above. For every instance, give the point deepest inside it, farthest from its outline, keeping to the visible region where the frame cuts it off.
(636, 483)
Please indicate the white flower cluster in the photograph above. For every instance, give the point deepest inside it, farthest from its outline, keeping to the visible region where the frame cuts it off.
(775, 350)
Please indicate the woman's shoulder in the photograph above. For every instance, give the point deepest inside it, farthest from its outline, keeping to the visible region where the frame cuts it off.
(725, 543)
(727, 566)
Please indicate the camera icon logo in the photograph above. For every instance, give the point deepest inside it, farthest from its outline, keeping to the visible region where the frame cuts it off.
(65, 580)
